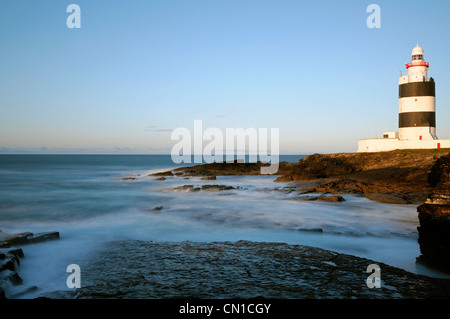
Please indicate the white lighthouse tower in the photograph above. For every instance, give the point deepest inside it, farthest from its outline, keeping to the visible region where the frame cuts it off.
(416, 114)
(417, 105)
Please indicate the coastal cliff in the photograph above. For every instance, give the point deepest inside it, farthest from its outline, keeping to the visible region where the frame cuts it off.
(399, 176)
(434, 217)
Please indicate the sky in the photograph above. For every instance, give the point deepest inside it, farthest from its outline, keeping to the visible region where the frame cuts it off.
(136, 70)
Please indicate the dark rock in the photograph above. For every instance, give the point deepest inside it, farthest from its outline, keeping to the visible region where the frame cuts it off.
(4, 244)
(192, 188)
(208, 178)
(11, 276)
(434, 217)
(40, 237)
(386, 198)
(9, 264)
(162, 178)
(337, 198)
(17, 252)
(10, 260)
(17, 239)
(225, 169)
(244, 269)
(24, 292)
(315, 230)
(401, 174)
(158, 208)
(130, 178)
(27, 238)
(168, 173)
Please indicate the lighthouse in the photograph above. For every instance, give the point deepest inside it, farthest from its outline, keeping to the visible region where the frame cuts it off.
(417, 102)
(416, 112)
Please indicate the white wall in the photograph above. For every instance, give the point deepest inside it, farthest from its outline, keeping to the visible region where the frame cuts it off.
(390, 144)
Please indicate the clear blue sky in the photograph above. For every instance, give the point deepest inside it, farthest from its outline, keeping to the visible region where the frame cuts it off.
(138, 69)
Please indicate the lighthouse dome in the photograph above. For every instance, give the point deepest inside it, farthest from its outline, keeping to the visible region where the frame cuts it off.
(417, 50)
(417, 53)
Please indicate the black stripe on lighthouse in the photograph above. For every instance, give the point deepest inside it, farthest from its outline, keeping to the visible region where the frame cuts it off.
(417, 119)
(417, 89)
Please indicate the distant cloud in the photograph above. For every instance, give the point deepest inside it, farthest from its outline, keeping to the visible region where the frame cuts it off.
(60, 150)
(160, 130)
(152, 128)
(224, 112)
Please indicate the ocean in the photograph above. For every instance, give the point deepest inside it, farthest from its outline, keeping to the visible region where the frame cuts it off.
(84, 198)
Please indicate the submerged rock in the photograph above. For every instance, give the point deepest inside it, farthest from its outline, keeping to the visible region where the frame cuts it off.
(192, 188)
(209, 178)
(333, 198)
(8, 240)
(130, 178)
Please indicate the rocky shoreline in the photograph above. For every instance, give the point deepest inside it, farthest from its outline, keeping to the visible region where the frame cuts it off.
(399, 177)
(10, 254)
(419, 177)
(135, 269)
(138, 269)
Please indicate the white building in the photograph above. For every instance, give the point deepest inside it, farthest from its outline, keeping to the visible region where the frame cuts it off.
(417, 112)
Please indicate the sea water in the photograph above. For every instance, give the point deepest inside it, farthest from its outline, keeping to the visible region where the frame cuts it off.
(84, 198)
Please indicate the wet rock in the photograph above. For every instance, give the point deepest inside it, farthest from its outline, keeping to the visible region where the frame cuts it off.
(162, 174)
(16, 239)
(17, 252)
(40, 237)
(400, 173)
(9, 264)
(434, 217)
(243, 269)
(26, 238)
(335, 199)
(10, 276)
(157, 208)
(10, 259)
(314, 230)
(192, 188)
(162, 178)
(24, 292)
(226, 169)
(209, 178)
(387, 198)
(130, 178)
